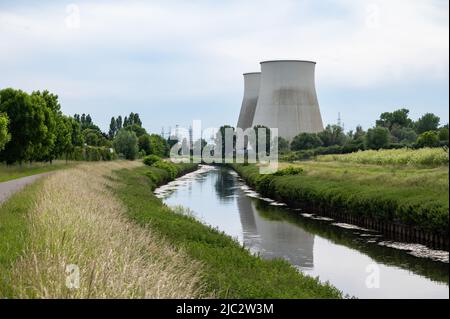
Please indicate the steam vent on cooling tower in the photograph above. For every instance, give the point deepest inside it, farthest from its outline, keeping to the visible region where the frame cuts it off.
(287, 99)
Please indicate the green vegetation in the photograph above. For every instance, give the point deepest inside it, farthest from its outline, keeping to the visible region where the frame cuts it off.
(9, 172)
(425, 157)
(5, 137)
(230, 271)
(151, 159)
(14, 231)
(126, 143)
(416, 197)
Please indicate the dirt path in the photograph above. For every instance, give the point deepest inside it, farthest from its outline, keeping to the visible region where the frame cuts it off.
(10, 187)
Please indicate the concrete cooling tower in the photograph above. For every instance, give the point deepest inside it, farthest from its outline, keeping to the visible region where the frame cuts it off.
(287, 98)
(251, 91)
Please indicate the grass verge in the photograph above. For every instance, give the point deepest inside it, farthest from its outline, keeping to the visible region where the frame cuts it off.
(230, 271)
(73, 218)
(17, 171)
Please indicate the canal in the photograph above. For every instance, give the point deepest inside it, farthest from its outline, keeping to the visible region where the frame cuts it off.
(359, 262)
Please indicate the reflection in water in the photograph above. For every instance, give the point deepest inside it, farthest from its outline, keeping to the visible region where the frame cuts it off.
(274, 239)
(345, 257)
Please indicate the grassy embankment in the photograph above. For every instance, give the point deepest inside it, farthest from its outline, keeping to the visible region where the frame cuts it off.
(73, 217)
(230, 271)
(414, 194)
(79, 216)
(17, 171)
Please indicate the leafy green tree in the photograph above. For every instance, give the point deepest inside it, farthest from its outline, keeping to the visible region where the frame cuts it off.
(283, 145)
(76, 135)
(137, 129)
(428, 139)
(45, 144)
(112, 128)
(5, 137)
(126, 143)
(428, 122)
(305, 141)
(27, 126)
(118, 123)
(159, 146)
(63, 144)
(332, 135)
(377, 137)
(398, 117)
(144, 143)
(359, 133)
(443, 133)
(404, 135)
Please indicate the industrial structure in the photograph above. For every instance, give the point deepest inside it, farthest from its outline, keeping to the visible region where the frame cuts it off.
(286, 98)
(251, 91)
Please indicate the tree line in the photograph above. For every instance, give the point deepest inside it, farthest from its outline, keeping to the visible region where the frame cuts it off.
(33, 128)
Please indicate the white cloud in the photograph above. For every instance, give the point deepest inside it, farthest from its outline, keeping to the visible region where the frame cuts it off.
(356, 43)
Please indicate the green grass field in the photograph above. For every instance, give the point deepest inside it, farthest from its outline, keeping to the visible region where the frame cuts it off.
(17, 171)
(230, 271)
(424, 157)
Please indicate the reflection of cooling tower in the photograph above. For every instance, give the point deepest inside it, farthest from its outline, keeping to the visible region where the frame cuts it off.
(251, 91)
(287, 98)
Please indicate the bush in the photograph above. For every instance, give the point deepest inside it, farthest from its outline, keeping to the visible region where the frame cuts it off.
(377, 137)
(151, 159)
(126, 143)
(167, 166)
(428, 139)
(290, 170)
(305, 141)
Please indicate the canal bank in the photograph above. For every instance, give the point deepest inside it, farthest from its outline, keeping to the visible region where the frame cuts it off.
(401, 212)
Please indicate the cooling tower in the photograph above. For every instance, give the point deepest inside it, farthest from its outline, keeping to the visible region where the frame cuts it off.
(251, 91)
(287, 98)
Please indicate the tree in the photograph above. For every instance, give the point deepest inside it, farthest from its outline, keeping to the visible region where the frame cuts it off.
(403, 134)
(332, 135)
(76, 135)
(159, 146)
(126, 143)
(283, 145)
(27, 126)
(305, 141)
(398, 117)
(359, 133)
(220, 139)
(137, 129)
(63, 144)
(443, 133)
(428, 139)
(144, 143)
(377, 137)
(428, 122)
(118, 123)
(112, 128)
(5, 137)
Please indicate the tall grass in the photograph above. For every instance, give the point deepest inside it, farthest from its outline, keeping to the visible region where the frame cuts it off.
(427, 157)
(76, 220)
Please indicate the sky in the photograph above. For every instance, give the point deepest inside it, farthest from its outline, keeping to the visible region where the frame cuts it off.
(177, 61)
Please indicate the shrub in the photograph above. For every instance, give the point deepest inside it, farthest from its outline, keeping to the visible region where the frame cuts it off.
(167, 166)
(428, 139)
(290, 170)
(151, 159)
(305, 141)
(377, 137)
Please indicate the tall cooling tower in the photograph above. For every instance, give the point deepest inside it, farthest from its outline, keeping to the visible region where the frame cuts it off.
(287, 98)
(251, 92)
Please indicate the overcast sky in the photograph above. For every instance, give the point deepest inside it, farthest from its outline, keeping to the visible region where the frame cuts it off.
(176, 61)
